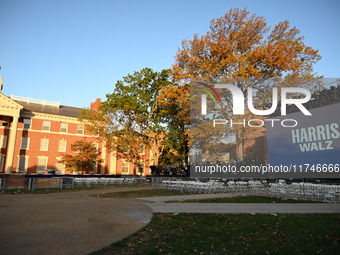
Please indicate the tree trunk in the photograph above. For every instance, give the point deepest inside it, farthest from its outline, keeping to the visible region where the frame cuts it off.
(239, 144)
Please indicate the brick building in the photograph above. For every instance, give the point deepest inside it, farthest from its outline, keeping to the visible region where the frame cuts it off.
(34, 134)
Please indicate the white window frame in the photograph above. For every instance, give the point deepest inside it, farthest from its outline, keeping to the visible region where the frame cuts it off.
(60, 167)
(62, 147)
(20, 157)
(27, 122)
(44, 143)
(80, 129)
(40, 166)
(126, 166)
(46, 125)
(63, 127)
(27, 143)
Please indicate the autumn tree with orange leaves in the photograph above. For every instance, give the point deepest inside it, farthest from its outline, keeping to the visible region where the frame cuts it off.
(243, 46)
(84, 159)
(240, 45)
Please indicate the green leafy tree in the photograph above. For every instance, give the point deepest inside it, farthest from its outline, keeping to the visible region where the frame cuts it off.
(131, 116)
(85, 158)
(175, 107)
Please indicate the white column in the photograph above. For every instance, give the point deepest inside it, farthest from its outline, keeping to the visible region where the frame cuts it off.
(11, 145)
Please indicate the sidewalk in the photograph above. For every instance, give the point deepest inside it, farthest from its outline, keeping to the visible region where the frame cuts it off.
(158, 205)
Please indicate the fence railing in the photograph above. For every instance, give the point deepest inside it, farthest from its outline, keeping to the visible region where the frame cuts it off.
(35, 101)
(2, 184)
(68, 182)
(326, 191)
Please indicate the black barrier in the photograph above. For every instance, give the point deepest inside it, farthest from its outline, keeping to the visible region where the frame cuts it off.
(171, 171)
(66, 181)
(81, 176)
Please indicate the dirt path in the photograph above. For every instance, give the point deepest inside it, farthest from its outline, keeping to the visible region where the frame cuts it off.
(67, 222)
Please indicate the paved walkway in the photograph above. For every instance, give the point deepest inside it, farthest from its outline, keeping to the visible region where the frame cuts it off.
(74, 223)
(158, 205)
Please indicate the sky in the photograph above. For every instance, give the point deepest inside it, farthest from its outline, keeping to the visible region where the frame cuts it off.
(74, 51)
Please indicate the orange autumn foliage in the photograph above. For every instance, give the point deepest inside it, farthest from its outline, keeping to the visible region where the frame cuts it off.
(240, 45)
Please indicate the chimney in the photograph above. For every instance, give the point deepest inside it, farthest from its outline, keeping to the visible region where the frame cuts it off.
(95, 105)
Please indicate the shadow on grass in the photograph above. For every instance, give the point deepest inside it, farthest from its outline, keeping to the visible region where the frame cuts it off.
(245, 199)
(233, 234)
(144, 193)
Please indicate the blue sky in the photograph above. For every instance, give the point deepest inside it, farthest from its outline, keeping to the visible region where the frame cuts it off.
(73, 51)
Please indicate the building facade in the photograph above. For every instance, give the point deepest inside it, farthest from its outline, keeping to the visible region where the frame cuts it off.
(34, 134)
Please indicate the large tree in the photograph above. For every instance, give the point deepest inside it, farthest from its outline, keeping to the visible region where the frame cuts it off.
(175, 109)
(131, 116)
(241, 46)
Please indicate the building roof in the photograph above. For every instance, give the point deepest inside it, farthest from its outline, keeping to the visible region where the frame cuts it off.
(62, 110)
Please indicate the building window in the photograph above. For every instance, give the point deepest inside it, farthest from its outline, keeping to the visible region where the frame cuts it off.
(46, 125)
(96, 145)
(141, 168)
(44, 144)
(42, 164)
(25, 143)
(62, 146)
(80, 129)
(95, 133)
(141, 149)
(60, 167)
(63, 127)
(2, 162)
(27, 123)
(3, 141)
(23, 162)
(125, 167)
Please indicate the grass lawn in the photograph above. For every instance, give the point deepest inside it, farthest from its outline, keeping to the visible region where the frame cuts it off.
(233, 234)
(122, 194)
(245, 199)
(143, 193)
